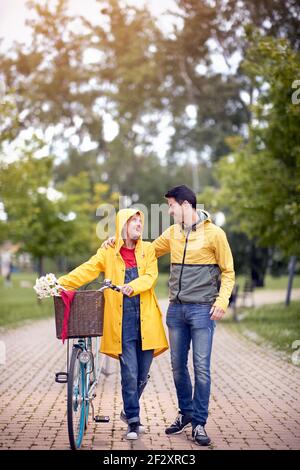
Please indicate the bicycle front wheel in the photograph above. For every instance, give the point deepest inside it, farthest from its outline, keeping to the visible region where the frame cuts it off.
(89, 369)
(76, 400)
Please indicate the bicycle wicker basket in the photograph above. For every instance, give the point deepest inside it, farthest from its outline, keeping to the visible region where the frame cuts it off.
(86, 314)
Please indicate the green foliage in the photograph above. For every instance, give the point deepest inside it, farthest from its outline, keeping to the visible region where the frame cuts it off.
(33, 218)
(260, 182)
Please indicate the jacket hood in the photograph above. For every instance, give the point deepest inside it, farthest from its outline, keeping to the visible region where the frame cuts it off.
(121, 219)
(204, 216)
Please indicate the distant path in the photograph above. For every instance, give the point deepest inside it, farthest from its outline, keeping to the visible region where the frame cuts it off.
(266, 296)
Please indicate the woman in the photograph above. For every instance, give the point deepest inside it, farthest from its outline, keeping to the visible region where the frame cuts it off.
(133, 329)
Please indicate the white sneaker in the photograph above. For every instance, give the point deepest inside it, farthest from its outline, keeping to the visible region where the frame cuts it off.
(123, 418)
(133, 431)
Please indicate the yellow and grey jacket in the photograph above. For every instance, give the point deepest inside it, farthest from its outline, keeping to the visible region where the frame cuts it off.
(200, 259)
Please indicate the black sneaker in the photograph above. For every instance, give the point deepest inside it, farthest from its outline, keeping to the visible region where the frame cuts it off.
(199, 436)
(123, 417)
(132, 431)
(181, 422)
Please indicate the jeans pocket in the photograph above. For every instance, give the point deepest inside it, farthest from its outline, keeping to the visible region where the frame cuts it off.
(199, 316)
(172, 314)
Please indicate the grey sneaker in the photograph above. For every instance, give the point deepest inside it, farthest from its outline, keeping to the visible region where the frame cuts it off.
(123, 418)
(132, 431)
(181, 422)
(199, 436)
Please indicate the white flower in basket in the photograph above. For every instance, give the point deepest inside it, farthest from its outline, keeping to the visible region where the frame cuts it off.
(47, 286)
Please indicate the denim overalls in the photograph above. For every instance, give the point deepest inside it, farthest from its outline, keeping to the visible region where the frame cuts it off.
(134, 362)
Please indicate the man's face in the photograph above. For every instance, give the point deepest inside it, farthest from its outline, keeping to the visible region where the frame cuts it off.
(134, 227)
(175, 210)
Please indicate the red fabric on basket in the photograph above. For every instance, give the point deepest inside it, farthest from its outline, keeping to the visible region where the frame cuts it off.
(68, 297)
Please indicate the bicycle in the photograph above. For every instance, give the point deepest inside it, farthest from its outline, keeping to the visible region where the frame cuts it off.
(82, 377)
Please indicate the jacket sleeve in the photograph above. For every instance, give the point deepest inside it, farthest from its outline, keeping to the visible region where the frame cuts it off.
(225, 261)
(162, 244)
(84, 273)
(147, 280)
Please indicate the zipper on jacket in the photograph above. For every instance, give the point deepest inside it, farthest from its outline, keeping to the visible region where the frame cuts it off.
(183, 259)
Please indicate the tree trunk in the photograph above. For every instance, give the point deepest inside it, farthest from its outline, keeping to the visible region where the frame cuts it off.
(62, 264)
(40, 269)
(41, 266)
(292, 268)
(258, 265)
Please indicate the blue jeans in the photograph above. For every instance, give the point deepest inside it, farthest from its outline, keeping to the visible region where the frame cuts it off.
(191, 323)
(135, 363)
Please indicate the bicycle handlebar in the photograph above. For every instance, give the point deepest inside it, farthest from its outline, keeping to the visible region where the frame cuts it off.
(107, 284)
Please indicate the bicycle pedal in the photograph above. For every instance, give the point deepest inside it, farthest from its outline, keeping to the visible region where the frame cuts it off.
(101, 419)
(61, 377)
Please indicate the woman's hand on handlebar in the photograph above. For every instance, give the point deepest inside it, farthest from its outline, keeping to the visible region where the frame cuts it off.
(126, 290)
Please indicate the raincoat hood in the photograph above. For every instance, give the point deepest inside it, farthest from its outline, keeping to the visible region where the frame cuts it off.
(121, 219)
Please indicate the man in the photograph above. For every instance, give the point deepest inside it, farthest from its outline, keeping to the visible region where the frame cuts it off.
(133, 329)
(200, 255)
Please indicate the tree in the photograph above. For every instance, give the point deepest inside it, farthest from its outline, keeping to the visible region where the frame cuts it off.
(274, 18)
(44, 221)
(260, 180)
(205, 105)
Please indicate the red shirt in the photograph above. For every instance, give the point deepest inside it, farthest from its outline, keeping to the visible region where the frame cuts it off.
(128, 256)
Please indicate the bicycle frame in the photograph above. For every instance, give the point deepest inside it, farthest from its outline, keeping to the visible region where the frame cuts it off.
(98, 360)
(98, 363)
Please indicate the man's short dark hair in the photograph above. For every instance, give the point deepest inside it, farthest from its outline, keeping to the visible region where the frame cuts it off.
(183, 193)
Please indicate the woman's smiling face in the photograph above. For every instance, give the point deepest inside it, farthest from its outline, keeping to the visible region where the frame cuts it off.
(134, 227)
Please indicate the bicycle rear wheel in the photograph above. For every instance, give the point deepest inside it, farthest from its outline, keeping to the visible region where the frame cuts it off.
(76, 400)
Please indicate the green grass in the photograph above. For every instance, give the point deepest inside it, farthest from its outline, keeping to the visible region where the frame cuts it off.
(271, 325)
(18, 304)
(271, 283)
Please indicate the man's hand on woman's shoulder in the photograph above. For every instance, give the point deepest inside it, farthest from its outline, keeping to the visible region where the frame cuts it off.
(110, 242)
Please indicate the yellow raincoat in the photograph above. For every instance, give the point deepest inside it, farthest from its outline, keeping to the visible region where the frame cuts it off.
(112, 264)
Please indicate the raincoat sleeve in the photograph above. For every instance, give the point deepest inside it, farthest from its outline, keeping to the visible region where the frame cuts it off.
(225, 261)
(84, 273)
(147, 280)
(162, 244)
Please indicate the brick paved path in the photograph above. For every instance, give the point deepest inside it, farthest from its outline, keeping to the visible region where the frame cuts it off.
(255, 401)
